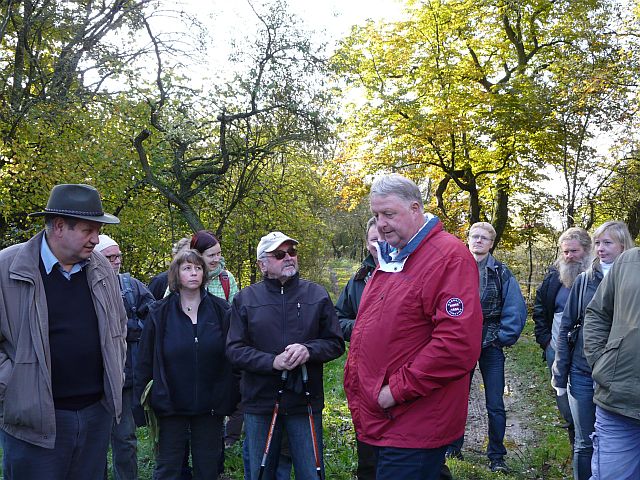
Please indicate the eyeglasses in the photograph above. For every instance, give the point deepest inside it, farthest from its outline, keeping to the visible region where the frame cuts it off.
(279, 254)
(114, 257)
(480, 237)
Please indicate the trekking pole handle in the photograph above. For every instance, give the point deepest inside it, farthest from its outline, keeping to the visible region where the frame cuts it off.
(305, 374)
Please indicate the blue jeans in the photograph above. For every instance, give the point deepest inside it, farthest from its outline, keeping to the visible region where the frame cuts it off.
(123, 441)
(492, 369)
(563, 401)
(410, 463)
(616, 443)
(205, 435)
(80, 451)
(583, 410)
(301, 448)
(283, 470)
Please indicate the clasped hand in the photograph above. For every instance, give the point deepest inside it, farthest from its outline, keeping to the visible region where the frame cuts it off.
(293, 356)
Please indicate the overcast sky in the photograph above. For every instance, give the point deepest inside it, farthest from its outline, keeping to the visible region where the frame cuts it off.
(328, 20)
(334, 16)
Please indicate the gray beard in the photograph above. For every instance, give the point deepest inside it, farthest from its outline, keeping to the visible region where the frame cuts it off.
(570, 271)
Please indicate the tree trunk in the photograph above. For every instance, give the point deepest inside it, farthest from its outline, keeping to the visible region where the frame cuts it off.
(571, 211)
(474, 197)
(502, 210)
(530, 277)
(633, 220)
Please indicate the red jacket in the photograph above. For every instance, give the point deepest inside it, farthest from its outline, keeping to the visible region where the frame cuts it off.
(418, 330)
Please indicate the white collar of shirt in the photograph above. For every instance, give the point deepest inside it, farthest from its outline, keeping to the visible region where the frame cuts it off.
(49, 260)
(605, 268)
(393, 266)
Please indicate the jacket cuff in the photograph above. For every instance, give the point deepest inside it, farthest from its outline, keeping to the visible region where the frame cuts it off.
(396, 390)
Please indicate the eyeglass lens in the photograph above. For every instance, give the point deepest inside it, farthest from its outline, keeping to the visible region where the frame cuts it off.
(480, 237)
(279, 254)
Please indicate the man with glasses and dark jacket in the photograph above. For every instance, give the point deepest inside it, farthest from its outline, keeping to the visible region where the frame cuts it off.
(278, 325)
(137, 299)
(504, 313)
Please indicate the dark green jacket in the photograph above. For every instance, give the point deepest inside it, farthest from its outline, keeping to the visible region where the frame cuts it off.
(612, 337)
(349, 300)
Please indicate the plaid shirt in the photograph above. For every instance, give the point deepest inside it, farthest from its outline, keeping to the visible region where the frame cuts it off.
(215, 286)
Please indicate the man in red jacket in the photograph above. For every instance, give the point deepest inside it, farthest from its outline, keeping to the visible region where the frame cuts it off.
(416, 338)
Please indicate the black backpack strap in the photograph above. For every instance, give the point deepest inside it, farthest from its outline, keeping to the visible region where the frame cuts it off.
(134, 323)
(500, 272)
(127, 293)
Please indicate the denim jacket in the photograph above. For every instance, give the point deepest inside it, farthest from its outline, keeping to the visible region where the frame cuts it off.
(566, 360)
(512, 312)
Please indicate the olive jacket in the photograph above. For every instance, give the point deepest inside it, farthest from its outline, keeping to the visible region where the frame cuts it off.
(612, 337)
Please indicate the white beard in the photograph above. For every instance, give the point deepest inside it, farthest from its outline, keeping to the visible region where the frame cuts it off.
(570, 271)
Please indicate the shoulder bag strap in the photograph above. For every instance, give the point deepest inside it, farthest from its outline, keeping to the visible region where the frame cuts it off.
(581, 293)
(127, 290)
(226, 284)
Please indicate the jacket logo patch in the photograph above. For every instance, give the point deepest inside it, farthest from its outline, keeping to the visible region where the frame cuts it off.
(454, 307)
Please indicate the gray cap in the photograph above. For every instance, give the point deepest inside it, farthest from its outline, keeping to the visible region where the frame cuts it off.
(271, 241)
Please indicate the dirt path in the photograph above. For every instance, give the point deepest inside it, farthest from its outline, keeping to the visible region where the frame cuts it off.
(518, 434)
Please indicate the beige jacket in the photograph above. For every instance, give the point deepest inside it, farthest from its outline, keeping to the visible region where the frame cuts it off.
(26, 400)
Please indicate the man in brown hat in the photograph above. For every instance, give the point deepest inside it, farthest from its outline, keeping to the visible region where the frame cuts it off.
(62, 344)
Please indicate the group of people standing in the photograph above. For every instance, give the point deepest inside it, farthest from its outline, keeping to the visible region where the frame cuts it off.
(83, 351)
(69, 325)
(586, 327)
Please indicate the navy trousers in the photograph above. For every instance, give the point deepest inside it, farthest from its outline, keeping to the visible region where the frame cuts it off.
(410, 463)
(80, 451)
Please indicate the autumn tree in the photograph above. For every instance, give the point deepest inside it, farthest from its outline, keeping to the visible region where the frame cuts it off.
(483, 96)
(53, 52)
(620, 197)
(87, 145)
(54, 60)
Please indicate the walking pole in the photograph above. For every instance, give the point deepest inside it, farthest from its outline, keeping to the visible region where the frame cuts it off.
(312, 427)
(274, 417)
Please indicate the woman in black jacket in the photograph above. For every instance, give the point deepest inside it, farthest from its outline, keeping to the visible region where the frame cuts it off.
(182, 350)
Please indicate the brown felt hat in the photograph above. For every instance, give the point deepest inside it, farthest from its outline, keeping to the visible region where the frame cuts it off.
(77, 201)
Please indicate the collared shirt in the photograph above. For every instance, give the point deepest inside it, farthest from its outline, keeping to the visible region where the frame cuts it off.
(49, 260)
(482, 272)
(391, 260)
